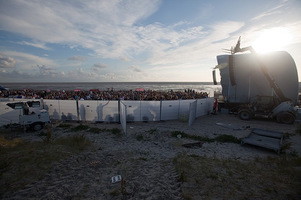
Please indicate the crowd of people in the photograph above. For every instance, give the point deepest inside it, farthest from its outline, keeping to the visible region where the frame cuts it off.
(109, 94)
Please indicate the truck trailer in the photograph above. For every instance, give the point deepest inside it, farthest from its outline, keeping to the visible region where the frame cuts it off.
(258, 85)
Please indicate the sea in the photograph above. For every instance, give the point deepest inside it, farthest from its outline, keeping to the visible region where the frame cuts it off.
(158, 86)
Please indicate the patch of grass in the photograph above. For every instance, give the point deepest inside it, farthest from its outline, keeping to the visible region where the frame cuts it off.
(263, 178)
(286, 146)
(139, 137)
(96, 130)
(142, 158)
(65, 126)
(153, 130)
(99, 130)
(5, 143)
(227, 139)
(80, 127)
(22, 163)
(220, 138)
(298, 129)
(115, 130)
(115, 192)
(193, 137)
(76, 142)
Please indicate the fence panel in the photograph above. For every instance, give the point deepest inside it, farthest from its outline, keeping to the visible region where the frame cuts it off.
(204, 106)
(88, 110)
(192, 112)
(184, 109)
(150, 111)
(68, 110)
(108, 111)
(53, 108)
(133, 109)
(170, 110)
(123, 114)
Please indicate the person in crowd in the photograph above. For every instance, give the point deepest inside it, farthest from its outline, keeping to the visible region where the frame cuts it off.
(215, 106)
(146, 95)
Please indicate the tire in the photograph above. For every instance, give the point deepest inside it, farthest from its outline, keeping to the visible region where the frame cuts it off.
(245, 114)
(37, 126)
(285, 118)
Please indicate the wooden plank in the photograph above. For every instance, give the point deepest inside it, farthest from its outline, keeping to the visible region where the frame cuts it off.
(263, 141)
(268, 133)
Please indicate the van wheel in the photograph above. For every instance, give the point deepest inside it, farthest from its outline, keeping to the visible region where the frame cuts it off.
(37, 126)
(245, 114)
(285, 118)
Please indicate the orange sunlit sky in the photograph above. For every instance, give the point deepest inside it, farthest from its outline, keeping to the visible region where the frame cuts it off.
(133, 40)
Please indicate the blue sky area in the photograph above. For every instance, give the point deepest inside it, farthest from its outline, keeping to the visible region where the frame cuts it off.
(137, 40)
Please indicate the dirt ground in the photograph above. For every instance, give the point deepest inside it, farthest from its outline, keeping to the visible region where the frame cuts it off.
(151, 161)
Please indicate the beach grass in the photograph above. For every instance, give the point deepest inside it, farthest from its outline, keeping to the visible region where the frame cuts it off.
(263, 178)
(25, 162)
(221, 138)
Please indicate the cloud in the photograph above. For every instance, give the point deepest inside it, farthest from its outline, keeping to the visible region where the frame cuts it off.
(46, 70)
(135, 68)
(6, 62)
(100, 65)
(77, 58)
(272, 11)
(37, 45)
(201, 49)
(25, 61)
(103, 26)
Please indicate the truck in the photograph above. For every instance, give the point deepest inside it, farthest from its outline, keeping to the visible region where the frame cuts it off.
(29, 118)
(258, 85)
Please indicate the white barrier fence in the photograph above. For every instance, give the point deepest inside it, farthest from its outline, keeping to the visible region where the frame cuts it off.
(109, 111)
(192, 113)
(123, 117)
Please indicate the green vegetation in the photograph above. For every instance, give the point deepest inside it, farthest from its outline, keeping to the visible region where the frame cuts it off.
(80, 127)
(65, 126)
(115, 130)
(139, 137)
(264, 178)
(24, 162)
(153, 130)
(220, 138)
(298, 129)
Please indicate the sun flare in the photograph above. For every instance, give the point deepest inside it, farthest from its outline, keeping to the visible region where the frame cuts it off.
(274, 39)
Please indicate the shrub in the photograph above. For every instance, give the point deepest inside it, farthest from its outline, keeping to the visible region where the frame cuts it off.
(227, 138)
(64, 126)
(80, 128)
(76, 142)
(220, 138)
(152, 131)
(193, 137)
(115, 130)
(95, 130)
(139, 137)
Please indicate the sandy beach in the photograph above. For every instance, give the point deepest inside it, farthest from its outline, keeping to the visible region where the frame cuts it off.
(145, 159)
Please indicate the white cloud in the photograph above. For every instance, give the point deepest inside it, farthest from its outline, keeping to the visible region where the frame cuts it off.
(26, 61)
(103, 26)
(114, 31)
(77, 58)
(100, 65)
(135, 68)
(35, 44)
(6, 62)
(201, 49)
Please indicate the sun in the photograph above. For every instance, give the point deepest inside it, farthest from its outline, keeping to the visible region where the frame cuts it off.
(274, 39)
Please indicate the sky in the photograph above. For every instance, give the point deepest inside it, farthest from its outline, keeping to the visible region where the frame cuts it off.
(137, 40)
